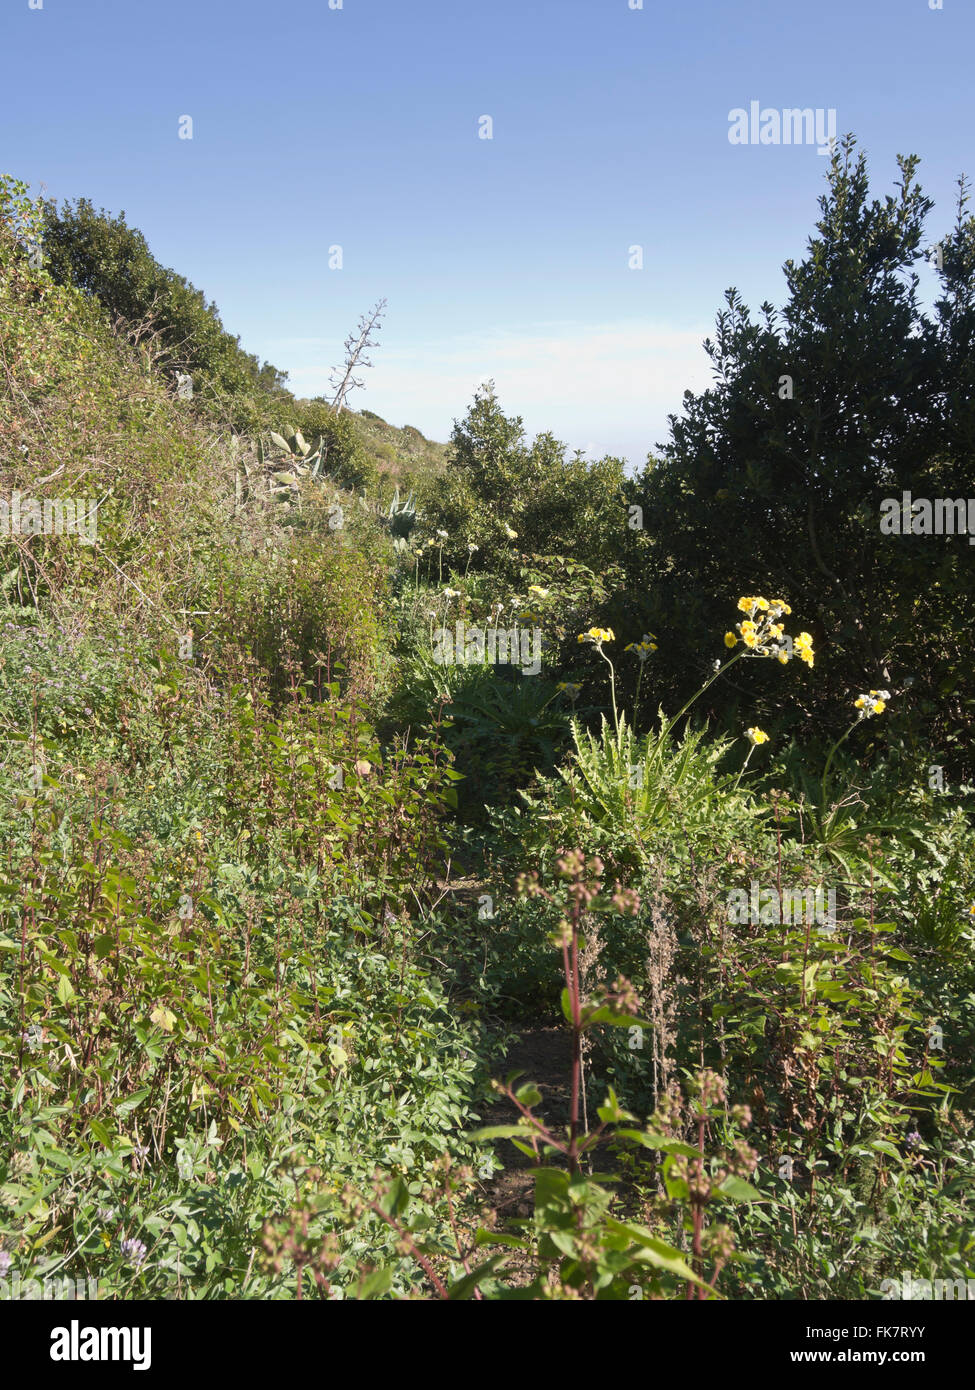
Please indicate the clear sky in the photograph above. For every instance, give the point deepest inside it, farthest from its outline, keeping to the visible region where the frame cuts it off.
(359, 127)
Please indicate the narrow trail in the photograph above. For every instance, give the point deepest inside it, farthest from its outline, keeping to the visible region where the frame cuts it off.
(542, 1053)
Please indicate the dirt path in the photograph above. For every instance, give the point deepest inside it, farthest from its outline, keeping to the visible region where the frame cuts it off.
(543, 1055)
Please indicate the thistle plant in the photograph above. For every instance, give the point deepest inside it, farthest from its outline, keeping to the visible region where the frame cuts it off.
(758, 635)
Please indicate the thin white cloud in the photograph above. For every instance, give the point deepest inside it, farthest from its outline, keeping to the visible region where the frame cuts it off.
(607, 388)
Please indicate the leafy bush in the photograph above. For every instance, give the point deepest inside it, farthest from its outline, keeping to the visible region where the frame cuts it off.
(497, 490)
(105, 258)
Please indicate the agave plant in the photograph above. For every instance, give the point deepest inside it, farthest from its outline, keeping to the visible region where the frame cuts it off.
(398, 518)
(401, 517)
(302, 461)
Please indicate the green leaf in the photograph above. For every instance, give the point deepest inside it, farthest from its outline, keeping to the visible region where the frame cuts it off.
(373, 1285)
(528, 1095)
(486, 1237)
(655, 1251)
(739, 1190)
(100, 1132)
(124, 1107)
(478, 1136)
(462, 1288)
(649, 1140)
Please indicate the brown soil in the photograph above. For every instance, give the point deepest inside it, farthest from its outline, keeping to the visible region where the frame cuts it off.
(543, 1056)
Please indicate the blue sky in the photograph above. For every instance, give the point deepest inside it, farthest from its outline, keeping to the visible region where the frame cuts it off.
(358, 127)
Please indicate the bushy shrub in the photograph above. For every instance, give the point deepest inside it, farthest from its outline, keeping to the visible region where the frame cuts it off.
(511, 499)
(102, 256)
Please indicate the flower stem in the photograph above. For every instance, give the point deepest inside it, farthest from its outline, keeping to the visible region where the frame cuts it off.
(612, 687)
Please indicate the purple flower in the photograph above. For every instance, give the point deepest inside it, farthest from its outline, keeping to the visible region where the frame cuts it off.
(133, 1250)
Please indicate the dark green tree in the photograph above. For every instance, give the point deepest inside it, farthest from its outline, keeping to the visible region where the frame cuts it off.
(772, 480)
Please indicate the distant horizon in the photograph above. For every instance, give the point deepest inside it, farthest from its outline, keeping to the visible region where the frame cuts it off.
(555, 195)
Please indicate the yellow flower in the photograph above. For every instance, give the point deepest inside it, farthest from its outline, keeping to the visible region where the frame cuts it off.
(642, 649)
(536, 589)
(766, 637)
(874, 703)
(598, 635)
(756, 736)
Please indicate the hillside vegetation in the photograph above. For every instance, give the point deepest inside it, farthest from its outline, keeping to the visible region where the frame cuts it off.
(345, 774)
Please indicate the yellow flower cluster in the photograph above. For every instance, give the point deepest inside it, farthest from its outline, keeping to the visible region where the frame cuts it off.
(756, 736)
(803, 646)
(570, 688)
(644, 648)
(874, 703)
(598, 635)
(764, 636)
